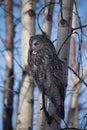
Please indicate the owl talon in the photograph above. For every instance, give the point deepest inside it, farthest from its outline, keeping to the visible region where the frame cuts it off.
(61, 112)
(49, 119)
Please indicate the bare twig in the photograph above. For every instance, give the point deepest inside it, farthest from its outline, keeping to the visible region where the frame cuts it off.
(60, 1)
(74, 73)
(83, 26)
(11, 90)
(73, 29)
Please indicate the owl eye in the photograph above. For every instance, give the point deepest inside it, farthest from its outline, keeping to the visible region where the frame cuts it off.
(36, 43)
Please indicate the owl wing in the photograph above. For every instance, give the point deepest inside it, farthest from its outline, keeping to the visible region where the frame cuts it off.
(54, 68)
(58, 75)
(54, 85)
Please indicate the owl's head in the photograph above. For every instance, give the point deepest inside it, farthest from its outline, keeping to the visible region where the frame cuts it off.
(37, 42)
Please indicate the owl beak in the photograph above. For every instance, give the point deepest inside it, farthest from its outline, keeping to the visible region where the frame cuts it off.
(32, 52)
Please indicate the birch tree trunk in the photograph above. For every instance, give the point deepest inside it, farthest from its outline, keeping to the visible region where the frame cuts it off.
(73, 110)
(47, 25)
(64, 29)
(75, 84)
(48, 14)
(25, 108)
(9, 82)
(72, 116)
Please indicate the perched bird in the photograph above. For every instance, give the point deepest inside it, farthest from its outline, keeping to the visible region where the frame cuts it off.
(46, 69)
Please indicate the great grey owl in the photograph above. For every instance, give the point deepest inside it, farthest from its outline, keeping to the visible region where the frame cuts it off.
(46, 69)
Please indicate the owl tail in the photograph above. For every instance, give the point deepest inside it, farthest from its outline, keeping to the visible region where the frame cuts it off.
(60, 112)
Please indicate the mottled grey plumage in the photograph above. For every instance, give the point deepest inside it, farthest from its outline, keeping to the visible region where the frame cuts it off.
(46, 70)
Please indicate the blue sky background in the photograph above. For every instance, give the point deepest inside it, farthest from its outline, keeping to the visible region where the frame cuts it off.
(82, 8)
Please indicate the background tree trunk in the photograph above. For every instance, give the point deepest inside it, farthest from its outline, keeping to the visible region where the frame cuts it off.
(25, 109)
(73, 110)
(9, 82)
(64, 29)
(75, 83)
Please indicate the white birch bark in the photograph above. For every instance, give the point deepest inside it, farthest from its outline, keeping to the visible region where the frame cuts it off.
(77, 83)
(64, 29)
(72, 121)
(25, 108)
(40, 114)
(48, 13)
